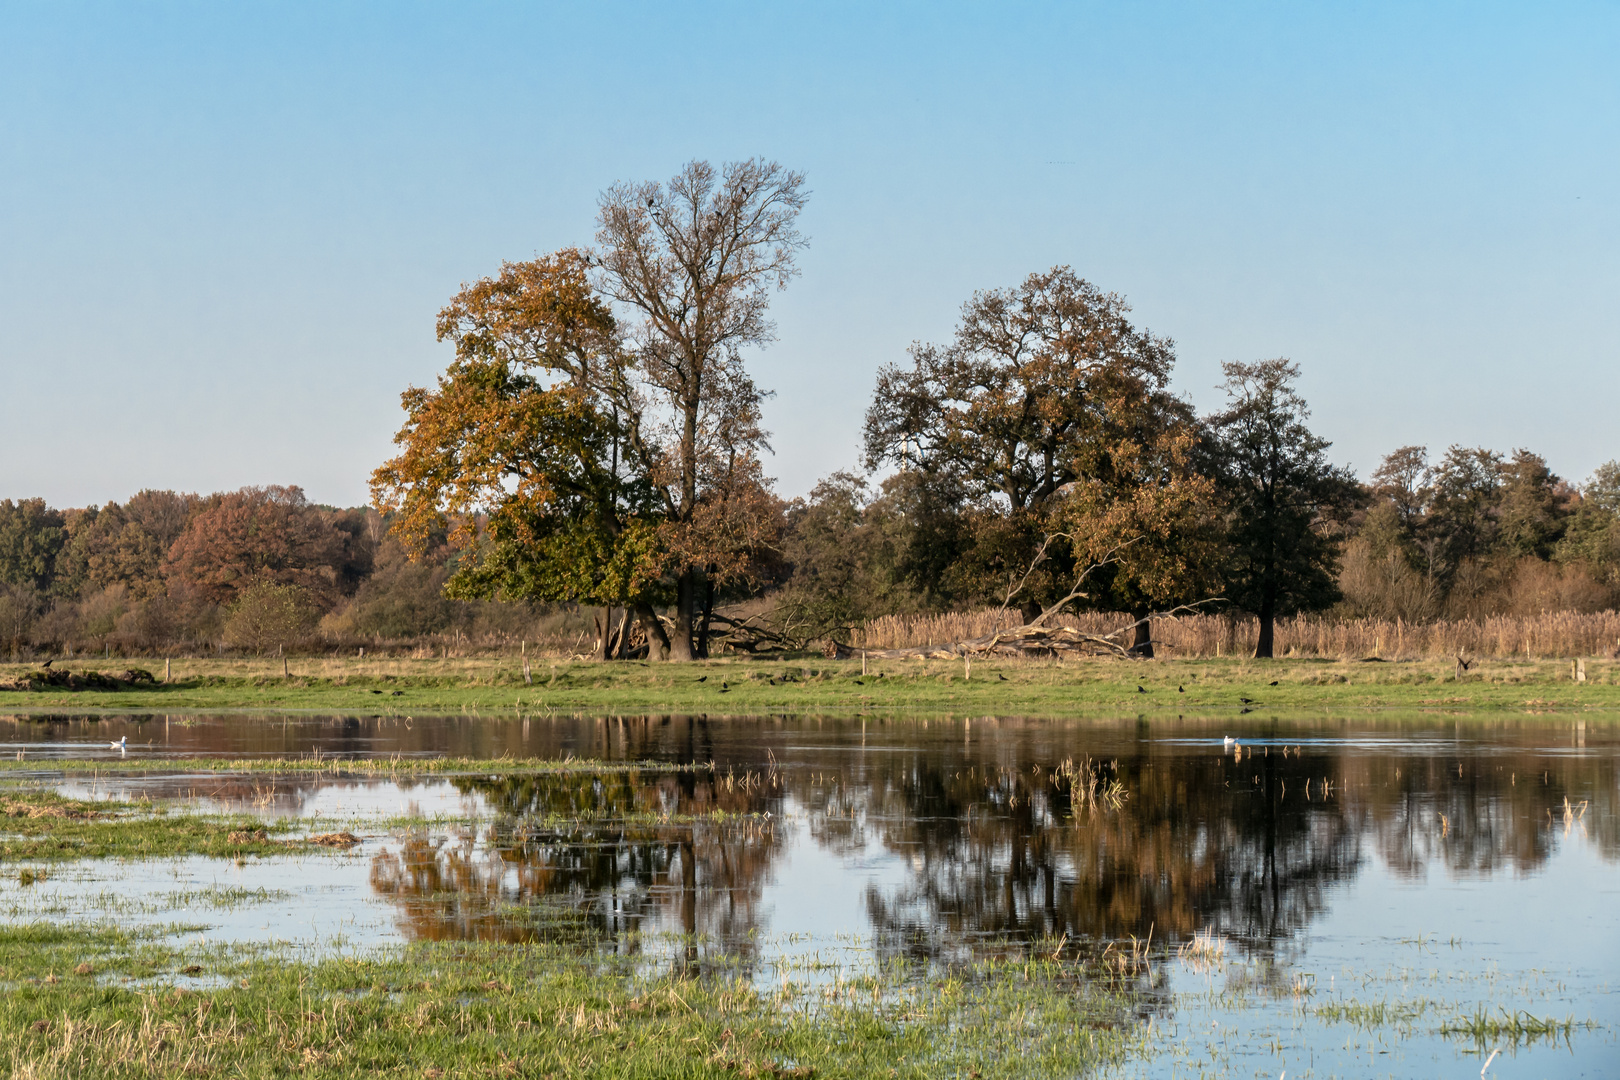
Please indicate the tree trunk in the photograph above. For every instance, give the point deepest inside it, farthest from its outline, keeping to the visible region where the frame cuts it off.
(1142, 638)
(1268, 616)
(621, 639)
(657, 640)
(680, 643)
(604, 642)
(708, 613)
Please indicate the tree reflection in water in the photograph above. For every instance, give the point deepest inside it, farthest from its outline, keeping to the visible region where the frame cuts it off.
(599, 858)
(1007, 854)
(990, 848)
(1247, 843)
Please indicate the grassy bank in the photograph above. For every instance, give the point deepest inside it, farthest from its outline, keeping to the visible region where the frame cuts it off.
(103, 1002)
(813, 684)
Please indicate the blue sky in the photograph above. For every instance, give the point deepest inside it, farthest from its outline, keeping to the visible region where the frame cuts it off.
(225, 229)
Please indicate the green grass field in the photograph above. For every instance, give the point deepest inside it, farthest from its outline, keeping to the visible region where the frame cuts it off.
(107, 1002)
(816, 685)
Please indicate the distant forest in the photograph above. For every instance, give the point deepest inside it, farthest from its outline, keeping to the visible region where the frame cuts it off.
(1472, 534)
(246, 570)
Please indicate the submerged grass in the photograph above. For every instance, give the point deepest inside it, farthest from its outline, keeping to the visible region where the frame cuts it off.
(1251, 988)
(1511, 1028)
(43, 826)
(96, 1002)
(738, 686)
(1373, 1014)
(48, 902)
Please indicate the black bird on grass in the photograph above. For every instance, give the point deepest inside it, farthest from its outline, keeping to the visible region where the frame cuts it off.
(1181, 689)
(1246, 700)
(1000, 676)
(46, 664)
(1139, 690)
(703, 678)
(1273, 682)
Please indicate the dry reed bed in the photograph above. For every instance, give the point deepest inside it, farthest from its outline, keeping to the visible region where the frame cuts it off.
(1550, 635)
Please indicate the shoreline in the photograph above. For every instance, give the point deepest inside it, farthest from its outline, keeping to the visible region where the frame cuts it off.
(751, 687)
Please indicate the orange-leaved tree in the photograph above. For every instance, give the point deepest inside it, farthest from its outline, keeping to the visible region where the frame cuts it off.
(580, 462)
(266, 534)
(531, 448)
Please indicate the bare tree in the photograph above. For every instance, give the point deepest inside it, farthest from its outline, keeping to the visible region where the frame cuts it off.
(696, 261)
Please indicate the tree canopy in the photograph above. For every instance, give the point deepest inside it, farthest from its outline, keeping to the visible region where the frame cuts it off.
(551, 449)
(31, 536)
(1052, 414)
(269, 534)
(530, 448)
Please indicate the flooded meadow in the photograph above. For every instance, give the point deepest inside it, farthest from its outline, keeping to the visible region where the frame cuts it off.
(1419, 895)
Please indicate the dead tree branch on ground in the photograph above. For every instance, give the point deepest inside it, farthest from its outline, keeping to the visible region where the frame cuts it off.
(1036, 638)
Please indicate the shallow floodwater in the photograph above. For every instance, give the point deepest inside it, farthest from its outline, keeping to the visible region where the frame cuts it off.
(1322, 897)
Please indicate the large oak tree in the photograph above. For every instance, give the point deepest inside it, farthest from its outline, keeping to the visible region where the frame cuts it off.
(563, 454)
(1052, 412)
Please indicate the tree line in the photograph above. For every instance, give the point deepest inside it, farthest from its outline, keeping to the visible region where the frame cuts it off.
(254, 569)
(597, 441)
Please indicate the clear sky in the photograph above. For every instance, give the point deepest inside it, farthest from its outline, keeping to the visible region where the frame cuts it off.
(225, 229)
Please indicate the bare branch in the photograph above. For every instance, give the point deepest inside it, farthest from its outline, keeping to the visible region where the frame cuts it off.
(1112, 556)
(1033, 640)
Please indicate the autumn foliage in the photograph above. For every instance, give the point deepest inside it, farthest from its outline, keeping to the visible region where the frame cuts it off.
(268, 534)
(574, 459)
(522, 453)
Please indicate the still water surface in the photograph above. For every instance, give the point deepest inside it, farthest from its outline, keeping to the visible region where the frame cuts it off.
(1443, 865)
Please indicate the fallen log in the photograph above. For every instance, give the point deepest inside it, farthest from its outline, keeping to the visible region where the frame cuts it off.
(1021, 641)
(745, 635)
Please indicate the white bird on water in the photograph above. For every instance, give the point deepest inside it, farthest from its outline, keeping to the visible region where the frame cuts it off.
(119, 745)
(1230, 742)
